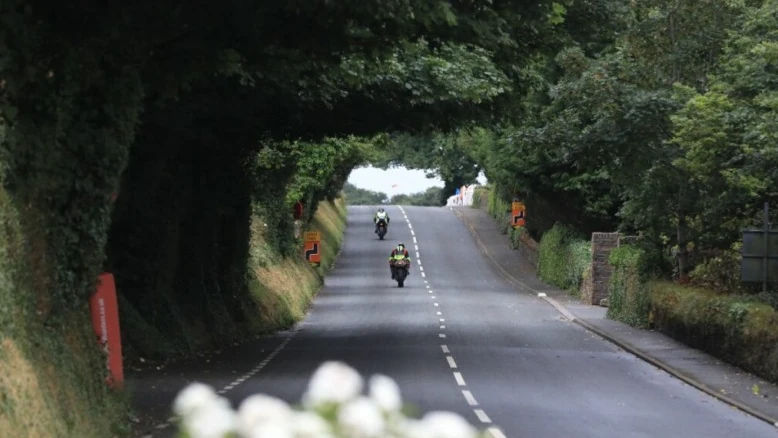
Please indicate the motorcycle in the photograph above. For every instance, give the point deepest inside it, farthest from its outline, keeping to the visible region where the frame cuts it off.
(381, 229)
(401, 271)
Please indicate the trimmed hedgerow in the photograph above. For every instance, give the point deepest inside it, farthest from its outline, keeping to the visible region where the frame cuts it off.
(563, 258)
(732, 328)
(629, 301)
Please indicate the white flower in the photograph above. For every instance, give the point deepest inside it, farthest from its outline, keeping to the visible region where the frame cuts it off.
(214, 420)
(385, 393)
(259, 409)
(411, 428)
(361, 418)
(310, 425)
(333, 382)
(448, 425)
(192, 398)
(272, 429)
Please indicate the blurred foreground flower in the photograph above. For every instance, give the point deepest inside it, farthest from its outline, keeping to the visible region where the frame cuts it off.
(332, 407)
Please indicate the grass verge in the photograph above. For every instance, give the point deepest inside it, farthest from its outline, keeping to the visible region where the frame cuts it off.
(284, 287)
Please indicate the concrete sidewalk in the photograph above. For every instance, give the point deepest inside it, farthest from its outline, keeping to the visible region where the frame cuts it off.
(725, 382)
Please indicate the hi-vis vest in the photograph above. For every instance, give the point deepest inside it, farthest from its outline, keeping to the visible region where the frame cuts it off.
(399, 255)
(381, 215)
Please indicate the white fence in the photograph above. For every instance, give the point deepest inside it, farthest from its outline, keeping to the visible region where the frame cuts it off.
(464, 198)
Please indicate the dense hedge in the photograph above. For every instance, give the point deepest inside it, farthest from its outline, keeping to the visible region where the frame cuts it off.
(629, 301)
(739, 331)
(563, 258)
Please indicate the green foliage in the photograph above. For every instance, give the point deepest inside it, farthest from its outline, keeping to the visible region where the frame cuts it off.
(429, 197)
(356, 196)
(563, 258)
(500, 210)
(740, 331)
(720, 274)
(481, 197)
(628, 296)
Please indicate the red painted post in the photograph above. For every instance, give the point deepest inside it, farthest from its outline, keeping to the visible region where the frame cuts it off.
(105, 321)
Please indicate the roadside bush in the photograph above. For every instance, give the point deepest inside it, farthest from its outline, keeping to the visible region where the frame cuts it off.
(481, 197)
(515, 236)
(734, 329)
(500, 210)
(720, 273)
(628, 297)
(563, 258)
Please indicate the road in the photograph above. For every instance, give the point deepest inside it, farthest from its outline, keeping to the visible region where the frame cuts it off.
(461, 338)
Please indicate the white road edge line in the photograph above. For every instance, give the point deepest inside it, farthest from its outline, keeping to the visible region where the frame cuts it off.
(442, 335)
(458, 377)
(469, 397)
(443, 327)
(422, 274)
(482, 416)
(451, 363)
(444, 348)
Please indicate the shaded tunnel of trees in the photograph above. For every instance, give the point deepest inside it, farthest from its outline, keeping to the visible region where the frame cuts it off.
(201, 117)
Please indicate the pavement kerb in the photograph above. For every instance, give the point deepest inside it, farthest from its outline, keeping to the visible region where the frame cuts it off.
(626, 346)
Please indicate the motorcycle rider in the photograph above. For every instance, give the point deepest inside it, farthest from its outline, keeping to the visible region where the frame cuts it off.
(399, 253)
(378, 216)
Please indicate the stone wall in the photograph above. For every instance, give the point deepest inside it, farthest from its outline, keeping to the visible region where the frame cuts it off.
(602, 245)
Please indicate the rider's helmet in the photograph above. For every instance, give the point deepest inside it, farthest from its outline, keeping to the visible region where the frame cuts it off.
(400, 246)
(380, 210)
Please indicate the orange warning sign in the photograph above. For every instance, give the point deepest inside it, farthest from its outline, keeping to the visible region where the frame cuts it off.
(312, 247)
(105, 321)
(518, 214)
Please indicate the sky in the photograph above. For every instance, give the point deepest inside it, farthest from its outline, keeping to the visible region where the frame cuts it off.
(407, 180)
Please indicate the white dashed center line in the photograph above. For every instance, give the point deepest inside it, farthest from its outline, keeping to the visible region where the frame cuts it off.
(495, 432)
(482, 416)
(469, 397)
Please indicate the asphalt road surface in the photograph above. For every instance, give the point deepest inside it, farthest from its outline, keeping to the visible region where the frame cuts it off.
(458, 337)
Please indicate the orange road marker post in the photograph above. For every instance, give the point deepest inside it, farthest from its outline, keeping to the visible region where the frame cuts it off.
(105, 321)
